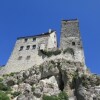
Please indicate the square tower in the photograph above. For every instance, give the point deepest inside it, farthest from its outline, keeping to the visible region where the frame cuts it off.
(70, 38)
(70, 34)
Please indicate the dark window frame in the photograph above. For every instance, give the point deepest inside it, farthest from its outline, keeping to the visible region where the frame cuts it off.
(34, 39)
(25, 39)
(28, 47)
(34, 47)
(21, 48)
(73, 43)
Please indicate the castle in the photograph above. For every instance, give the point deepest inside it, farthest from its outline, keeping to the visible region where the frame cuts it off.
(26, 51)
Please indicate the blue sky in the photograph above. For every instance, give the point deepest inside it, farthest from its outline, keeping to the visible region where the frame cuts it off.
(30, 17)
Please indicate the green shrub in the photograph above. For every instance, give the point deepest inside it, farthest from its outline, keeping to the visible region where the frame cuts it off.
(61, 96)
(33, 88)
(57, 52)
(85, 80)
(3, 96)
(15, 94)
(10, 82)
(69, 50)
(50, 53)
(98, 80)
(1, 79)
(4, 88)
(12, 74)
(45, 97)
(5, 75)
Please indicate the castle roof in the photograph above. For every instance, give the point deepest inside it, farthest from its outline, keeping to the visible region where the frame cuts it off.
(39, 35)
(71, 20)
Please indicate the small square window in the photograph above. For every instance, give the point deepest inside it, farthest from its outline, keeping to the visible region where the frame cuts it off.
(21, 48)
(25, 40)
(34, 39)
(34, 46)
(28, 57)
(28, 47)
(20, 57)
(73, 43)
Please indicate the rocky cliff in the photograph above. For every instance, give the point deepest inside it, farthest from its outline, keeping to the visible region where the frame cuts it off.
(52, 80)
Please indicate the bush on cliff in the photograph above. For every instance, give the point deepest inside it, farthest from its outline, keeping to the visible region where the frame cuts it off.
(61, 96)
(3, 96)
(4, 88)
(50, 53)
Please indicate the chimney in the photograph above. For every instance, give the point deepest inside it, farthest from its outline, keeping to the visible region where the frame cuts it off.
(50, 30)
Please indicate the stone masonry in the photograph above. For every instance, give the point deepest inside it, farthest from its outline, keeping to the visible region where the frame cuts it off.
(70, 37)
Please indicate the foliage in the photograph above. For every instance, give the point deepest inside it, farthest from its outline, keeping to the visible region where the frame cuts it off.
(45, 97)
(98, 80)
(3, 96)
(61, 96)
(1, 79)
(85, 80)
(15, 94)
(50, 53)
(33, 88)
(10, 82)
(4, 87)
(11, 74)
(5, 75)
(69, 50)
(75, 78)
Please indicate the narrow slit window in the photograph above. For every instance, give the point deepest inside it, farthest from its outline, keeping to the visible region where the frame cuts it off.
(34, 46)
(21, 48)
(28, 47)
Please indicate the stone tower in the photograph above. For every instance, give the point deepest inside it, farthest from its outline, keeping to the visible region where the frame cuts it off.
(70, 38)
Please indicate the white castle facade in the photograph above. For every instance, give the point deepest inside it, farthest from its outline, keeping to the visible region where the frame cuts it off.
(26, 51)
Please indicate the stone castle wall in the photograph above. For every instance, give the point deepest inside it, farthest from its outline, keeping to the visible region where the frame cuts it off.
(26, 51)
(25, 54)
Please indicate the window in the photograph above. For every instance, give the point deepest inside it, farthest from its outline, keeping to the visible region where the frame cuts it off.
(28, 47)
(26, 40)
(34, 39)
(28, 57)
(21, 48)
(34, 46)
(20, 57)
(73, 43)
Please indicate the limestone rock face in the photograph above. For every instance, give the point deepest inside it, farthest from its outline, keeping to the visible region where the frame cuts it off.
(52, 77)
